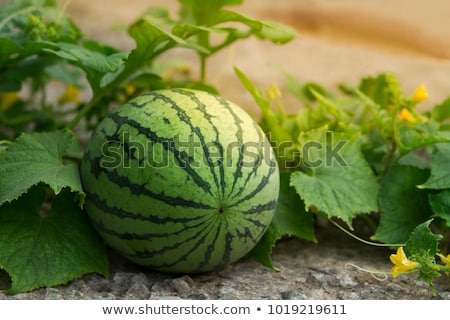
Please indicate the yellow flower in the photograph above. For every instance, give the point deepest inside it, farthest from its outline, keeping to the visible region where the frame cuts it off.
(445, 260)
(7, 99)
(273, 92)
(130, 89)
(406, 115)
(70, 95)
(420, 95)
(401, 263)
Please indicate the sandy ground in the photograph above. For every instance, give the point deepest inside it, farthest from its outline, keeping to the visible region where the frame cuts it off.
(339, 41)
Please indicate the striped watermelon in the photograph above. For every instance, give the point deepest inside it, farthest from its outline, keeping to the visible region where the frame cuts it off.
(180, 181)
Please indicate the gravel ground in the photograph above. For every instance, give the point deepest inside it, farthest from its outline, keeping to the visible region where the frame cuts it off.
(307, 271)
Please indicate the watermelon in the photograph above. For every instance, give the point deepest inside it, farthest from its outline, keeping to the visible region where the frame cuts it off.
(181, 181)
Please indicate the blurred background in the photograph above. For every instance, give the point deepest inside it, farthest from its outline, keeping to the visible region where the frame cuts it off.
(338, 41)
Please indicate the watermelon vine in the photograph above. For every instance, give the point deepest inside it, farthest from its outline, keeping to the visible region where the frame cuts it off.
(364, 152)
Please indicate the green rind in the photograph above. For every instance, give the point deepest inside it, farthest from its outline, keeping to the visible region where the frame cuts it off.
(202, 211)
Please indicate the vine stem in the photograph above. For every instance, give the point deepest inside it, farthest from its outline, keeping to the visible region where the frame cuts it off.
(379, 275)
(77, 156)
(376, 244)
(97, 97)
(88, 106)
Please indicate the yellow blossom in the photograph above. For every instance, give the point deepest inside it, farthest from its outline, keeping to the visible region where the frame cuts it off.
(273, 92)
(445, 260)
(7, 99)
(130, 89)
(70, 95)
(401, 263)
(406, 115)
(420, 94)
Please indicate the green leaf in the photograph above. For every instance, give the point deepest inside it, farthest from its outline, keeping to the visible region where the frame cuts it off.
(88, 59)
(384, 90)
(440, 204)
(42, 247)
(276, 32)
(422, 247)
(212, 3)
(200, 12)
(402, 205)
(270, 118)
(440, 169)
(65, 72)
(36, 158)
(7, 48)
(415, 136)
(268, 30)
(151, 41)
(95, 64)
(257, 94)
(335, 176)
(291, 219)
(441, 112)
(304, 92)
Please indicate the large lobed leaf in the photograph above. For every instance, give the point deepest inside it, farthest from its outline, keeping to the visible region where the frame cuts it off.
(403, 206)
(336, 178)
(423, 246)
(440, 204)
(41, 247)
(36, 158)
(440, 169)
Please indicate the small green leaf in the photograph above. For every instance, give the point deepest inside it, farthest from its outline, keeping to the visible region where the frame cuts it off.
(291, 219)
(440, 169)
(38, 157)
(422, 247)
(402, 205)
(440, 204)
(335, 176)
(270, 118)
(267, 30)
(276, 32)
(42, 247)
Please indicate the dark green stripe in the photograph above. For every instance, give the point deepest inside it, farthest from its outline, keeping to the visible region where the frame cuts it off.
(210, 248)
(256, 165)
(167, 143)
(124, 214)
(135, 236)
(202, 108)
(184, 117)
(245, 235)
(145, 254)
(257, 224)
(271, 205)
(264, 181)
(227, 250)
(140, 190)
(239, 136)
